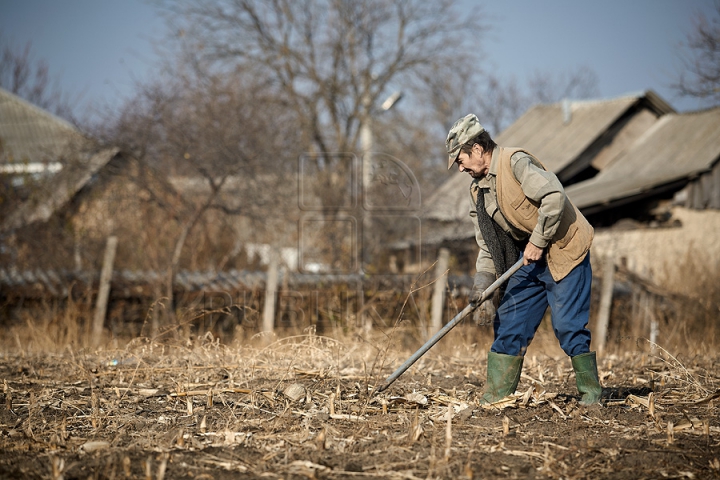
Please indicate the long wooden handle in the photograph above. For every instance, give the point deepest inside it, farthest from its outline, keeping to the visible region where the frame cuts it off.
(450, 325)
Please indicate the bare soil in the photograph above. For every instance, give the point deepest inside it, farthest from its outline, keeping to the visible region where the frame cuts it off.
(306, 407)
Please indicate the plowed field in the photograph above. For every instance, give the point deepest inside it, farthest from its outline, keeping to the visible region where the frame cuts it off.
(306, 407)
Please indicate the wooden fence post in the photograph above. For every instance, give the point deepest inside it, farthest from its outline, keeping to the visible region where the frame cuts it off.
(605, 303)
(438, 299)
(271, 293)
(104, 290)
(654, 332)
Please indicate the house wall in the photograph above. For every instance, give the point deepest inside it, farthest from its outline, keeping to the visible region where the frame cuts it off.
(672, 257)
(704, 191)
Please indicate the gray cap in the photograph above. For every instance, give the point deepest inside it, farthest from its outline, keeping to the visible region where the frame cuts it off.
(461, 132)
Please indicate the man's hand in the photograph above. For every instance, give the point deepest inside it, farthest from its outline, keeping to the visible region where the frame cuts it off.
(532, 254)
(485, 313)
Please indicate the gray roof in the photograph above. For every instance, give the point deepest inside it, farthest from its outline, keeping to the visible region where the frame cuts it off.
(59, 189)
(677, 147)
(548, 133)
(558, 133)
(31, 134)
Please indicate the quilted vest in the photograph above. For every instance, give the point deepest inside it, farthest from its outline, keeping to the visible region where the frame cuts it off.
(574, 235)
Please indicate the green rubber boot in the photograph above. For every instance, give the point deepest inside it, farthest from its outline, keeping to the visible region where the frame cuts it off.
(586, 377)
(503, 376)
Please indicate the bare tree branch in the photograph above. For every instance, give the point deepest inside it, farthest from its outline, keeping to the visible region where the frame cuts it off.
(331, 60)
(701, 60)
(30, 79)
(548, 88)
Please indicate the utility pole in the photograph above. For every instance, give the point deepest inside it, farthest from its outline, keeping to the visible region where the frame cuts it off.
(366, 134)
(367, 146)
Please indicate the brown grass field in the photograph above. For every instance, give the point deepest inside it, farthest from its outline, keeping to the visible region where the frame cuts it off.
(305, 406)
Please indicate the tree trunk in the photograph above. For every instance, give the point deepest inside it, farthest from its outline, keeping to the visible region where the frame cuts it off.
(177, 252)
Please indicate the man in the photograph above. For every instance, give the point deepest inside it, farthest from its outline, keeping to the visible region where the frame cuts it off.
(520, 209)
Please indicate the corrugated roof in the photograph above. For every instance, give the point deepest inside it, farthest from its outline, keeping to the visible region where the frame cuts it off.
(557, 134)
(31, 134)
(678, 146)
(543, 131)
(61, 188)
(39, 283)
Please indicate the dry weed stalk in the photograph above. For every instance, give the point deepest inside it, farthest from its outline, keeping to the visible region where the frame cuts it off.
(706, 431)
(126, 466)
(321, 439)
(8, 396)
(651, 404)
(148, 468)
(58, 465)
(382, 353)
(331, 404)
(162, 468)
(203, 424)
(448, 432)
(416, 429)
(63, 430)
(95, 415)
(685, 375)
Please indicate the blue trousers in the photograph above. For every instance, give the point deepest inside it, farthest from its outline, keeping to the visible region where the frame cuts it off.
(528, 294)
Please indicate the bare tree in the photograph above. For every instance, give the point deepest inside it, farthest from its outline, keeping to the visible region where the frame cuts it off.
(700, 59)
(500, 101)
(30, 79)
(212, 130)
(581, 82)
(331, 61)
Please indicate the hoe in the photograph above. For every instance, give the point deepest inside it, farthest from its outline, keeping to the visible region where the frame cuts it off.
(450, 325)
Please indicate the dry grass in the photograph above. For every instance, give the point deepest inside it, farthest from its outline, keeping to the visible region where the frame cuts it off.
(303, 407)
(180, 403)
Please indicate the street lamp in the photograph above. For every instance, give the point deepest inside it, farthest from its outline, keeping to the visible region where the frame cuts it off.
(366, 134)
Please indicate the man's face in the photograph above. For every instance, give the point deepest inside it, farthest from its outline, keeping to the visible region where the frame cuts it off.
(474, 163)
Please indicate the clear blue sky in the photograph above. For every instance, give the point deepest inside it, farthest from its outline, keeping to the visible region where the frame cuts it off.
(98, 48)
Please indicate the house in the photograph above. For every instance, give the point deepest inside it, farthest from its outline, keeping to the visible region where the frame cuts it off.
(64, 195)
(656, 208)
(648, 179)
(574, 139)
(32, 140)
(676, 157)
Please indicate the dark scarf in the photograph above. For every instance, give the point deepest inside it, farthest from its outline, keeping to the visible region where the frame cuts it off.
(503, 249)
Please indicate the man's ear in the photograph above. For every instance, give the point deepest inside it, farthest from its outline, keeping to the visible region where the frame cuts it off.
(477, 149)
